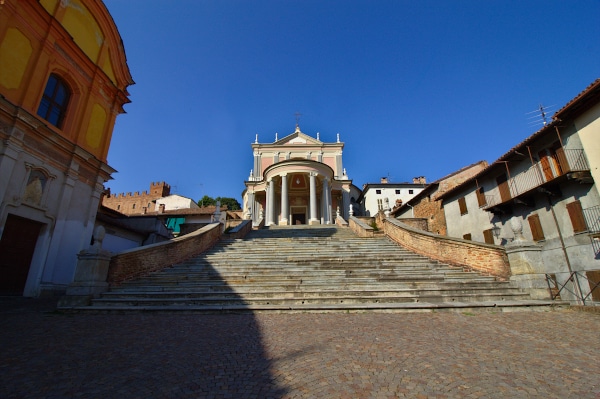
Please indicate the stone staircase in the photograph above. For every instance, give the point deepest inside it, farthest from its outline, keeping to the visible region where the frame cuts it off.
(311, 269)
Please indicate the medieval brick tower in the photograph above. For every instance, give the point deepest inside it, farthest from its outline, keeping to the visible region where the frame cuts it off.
(136, 203)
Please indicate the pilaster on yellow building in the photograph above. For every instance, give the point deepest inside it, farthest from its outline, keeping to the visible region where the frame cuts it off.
(63, 81)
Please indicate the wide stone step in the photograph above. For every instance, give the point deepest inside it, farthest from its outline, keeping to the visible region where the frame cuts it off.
(251, 294)
(297, 286)
(324, 279)
(382, 307)
(335, 299)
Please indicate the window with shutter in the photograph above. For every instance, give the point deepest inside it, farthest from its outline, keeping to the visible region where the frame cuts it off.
(467, 236)
(481, 197)
(536, 227)
(488, 236)
(576, 215)
(462, 204)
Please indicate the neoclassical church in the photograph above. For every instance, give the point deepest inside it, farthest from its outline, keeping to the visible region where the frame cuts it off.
(298, 180)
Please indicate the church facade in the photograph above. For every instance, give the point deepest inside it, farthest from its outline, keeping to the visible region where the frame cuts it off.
(63, 82)
(298, 180)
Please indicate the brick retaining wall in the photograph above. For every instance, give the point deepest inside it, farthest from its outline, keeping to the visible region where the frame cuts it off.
(485, 258)
(360, 228)
(141, 261)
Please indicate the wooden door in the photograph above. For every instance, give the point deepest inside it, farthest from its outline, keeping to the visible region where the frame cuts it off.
(16, 251)
(546, 167)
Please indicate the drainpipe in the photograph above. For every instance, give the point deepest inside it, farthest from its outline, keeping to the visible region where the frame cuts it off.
(578, 293)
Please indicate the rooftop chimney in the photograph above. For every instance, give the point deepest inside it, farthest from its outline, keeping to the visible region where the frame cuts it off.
(384, 180)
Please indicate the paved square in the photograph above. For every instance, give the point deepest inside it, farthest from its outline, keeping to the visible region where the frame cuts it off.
(415, 355)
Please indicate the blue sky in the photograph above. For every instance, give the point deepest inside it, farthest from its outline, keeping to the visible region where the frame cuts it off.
(414, 88)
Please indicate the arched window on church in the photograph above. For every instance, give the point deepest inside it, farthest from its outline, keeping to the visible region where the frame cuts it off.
(55, 99)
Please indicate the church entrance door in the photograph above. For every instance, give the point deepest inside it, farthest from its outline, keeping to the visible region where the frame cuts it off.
(298, 215)
(16, 251)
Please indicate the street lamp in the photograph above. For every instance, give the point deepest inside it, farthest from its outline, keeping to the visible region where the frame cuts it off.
(496, 231)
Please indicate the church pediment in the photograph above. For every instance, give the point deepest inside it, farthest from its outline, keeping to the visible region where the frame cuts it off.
(298, 138)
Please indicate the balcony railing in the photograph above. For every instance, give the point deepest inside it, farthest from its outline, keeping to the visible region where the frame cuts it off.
(592, 218)
(572, 160)
(552, 167)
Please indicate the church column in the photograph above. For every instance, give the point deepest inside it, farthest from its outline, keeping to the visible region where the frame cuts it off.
(257, 164)
(313, 199)
(345, 203)
(250, 207)
(325, 202)
(284, 200)
(271, 204)
(267, 205)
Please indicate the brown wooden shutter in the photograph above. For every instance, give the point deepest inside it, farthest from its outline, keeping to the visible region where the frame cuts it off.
(503, 187)
(576, 215)
(562, 160)
(593, 277)
(467, 236)
(488, 236)
(481, 197)
(536, 227)
(462, 204)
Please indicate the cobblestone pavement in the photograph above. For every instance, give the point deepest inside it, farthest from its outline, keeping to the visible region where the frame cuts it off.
(44, 354)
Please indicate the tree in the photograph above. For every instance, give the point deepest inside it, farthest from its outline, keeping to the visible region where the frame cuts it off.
(207, 201)
(232, 203)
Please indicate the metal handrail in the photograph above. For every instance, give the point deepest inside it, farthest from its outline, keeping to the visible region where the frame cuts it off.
(572, 276)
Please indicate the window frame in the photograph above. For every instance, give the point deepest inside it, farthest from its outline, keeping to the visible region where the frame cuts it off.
(51, 108)
(481, 200)
(488, 236)
(462, 206)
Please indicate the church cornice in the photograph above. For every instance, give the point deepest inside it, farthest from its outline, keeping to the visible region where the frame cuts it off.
(297, 139)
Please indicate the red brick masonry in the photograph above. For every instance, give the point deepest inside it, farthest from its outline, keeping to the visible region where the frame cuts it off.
(484, 258)
(137, 262)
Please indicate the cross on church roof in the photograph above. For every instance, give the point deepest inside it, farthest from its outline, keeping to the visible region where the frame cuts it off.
(298, 115)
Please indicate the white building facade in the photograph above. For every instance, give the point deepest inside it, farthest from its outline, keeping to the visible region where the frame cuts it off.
(385, 196)
(297, 180)
(174, 201)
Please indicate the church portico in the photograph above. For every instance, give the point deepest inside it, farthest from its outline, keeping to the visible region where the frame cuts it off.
(308, 186)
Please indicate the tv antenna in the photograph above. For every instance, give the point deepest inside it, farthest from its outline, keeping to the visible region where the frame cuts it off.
(539, 115)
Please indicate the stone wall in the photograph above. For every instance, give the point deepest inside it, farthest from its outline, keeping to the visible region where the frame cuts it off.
(433, 212)
(141, 261)
(239, 230)
(484, 258)
(360, 228)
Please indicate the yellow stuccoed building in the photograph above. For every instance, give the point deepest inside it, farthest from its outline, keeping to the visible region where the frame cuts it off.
(63, 81)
